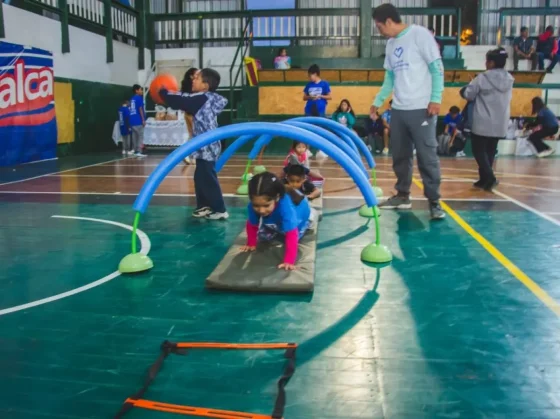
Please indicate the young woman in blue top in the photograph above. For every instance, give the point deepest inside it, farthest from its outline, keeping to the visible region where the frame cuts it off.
(276, 211)
(549, 127)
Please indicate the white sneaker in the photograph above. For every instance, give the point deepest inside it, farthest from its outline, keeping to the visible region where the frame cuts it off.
(545, 153)
(385, 151)
(139, 155)
(217, 216)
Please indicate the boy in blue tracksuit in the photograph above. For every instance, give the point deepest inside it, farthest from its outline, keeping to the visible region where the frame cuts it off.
(124, 123)
(204, 104)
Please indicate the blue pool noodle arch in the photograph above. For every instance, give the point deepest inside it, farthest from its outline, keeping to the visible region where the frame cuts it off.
(342, 131)
(230, 151)
(252, 128)
(329, 136)
(263, 141)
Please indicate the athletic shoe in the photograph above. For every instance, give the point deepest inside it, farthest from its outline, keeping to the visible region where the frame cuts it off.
(436, 211)
(491, 185)
(217, 216)
(139, 155)
(385, 151)
(478, 184)
(397, 202)
(545, 153)
(201, 212)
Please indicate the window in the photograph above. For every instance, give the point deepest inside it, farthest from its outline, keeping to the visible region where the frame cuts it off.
(272, 27)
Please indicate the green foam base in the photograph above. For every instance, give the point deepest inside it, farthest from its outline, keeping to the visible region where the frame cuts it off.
(135, 262)
(367, 212)
(374, 253)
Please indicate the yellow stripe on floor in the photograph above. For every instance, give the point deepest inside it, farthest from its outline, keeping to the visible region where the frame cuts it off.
(499, 256)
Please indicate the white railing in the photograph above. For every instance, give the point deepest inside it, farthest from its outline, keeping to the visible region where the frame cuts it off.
(94, 11)
(442, 24)
(535, 24)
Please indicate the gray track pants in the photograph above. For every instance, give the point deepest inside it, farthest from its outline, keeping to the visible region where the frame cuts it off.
(137, 138)
(410, 128)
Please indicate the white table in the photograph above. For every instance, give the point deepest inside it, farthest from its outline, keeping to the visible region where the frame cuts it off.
(165, 133)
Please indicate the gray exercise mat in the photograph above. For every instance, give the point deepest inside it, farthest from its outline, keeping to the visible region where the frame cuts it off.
(258, 271)
(317, 204)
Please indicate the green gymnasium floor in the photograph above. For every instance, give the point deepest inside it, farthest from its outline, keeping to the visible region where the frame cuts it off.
(445, 331)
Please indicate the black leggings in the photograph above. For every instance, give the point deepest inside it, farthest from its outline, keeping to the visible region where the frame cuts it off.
(484, 151)
(537, 137)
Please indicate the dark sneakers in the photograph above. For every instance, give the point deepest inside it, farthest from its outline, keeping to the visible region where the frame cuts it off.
(397, 202)
(201, 212)
(403, 202)
(436, 212)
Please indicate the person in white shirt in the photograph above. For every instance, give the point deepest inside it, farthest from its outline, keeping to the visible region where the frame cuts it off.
(414, 74)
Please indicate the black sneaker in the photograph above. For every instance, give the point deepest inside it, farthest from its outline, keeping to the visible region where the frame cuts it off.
(478, 184)
(436, 211)
(201, 212)
(397, 202)
(491, 185)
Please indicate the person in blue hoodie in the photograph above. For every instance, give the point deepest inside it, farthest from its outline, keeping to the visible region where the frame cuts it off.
(549, 127)
(204, 104)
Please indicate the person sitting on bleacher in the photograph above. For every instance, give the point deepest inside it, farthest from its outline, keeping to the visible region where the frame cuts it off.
(523, 49)
(547, 48)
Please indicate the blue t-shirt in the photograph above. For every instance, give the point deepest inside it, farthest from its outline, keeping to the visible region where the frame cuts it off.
(136, 103)
(285, 217)
(124, 120)
(452, 122)
(386, 116)
(317, 89)
(547, 119)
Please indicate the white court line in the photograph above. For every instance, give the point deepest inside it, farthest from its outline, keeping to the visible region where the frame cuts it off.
(145, 246)
(191, 177)
(229, 195)
(527, 207)
(517, 185)
(62, 171)
(40, 161)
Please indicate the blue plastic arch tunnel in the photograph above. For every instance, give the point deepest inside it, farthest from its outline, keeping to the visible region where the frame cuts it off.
(374, 252)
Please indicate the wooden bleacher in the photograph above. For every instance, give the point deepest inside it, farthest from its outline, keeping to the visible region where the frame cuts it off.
(360, 86)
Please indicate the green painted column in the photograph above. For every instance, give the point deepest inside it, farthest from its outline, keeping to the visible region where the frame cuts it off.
(108, 23)
(65, 32)
(200, 42)
(141, 32)
(2, 30)
(365, 28)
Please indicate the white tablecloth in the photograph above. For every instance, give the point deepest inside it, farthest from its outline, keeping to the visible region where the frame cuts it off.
(165, 133)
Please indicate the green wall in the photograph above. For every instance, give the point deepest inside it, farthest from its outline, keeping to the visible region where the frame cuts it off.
(96, 110)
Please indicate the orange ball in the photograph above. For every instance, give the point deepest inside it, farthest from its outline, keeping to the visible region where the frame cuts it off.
(163, 81)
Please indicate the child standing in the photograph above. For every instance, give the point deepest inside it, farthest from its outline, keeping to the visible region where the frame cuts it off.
(344, 114)
(205, 105)
(275, 213)
(316, 93)
(137, 119)
(124, 123)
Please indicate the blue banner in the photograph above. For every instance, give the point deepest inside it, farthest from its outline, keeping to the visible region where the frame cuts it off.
(27, 117)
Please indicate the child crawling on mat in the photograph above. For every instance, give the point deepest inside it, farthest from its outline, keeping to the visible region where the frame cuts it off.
(296, 179)
(299, 155)
(276, 213)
